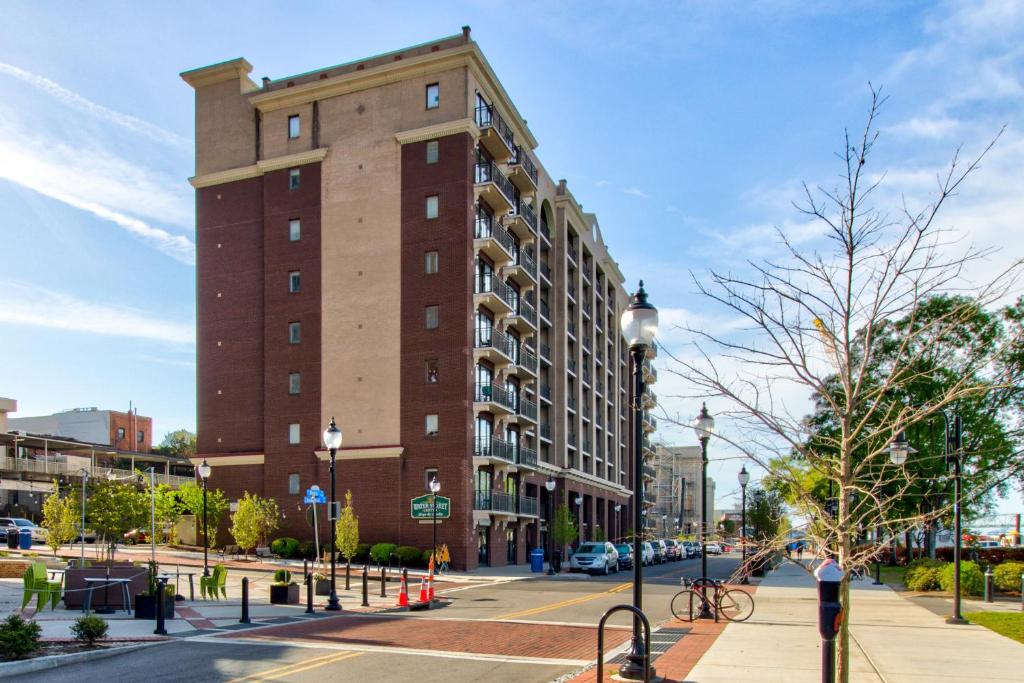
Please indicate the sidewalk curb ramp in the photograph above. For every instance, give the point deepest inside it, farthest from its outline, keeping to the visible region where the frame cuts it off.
(25, 666)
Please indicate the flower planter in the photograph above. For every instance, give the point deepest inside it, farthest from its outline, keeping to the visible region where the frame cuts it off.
(322, 587)
(284, 595)
(145, 607)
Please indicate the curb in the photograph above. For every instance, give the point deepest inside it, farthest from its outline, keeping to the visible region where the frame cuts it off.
(55, 661)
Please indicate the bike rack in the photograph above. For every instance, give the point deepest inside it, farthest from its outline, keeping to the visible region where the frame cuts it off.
(637, 614)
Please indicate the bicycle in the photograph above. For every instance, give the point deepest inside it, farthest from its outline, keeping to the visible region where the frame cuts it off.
(691, 602)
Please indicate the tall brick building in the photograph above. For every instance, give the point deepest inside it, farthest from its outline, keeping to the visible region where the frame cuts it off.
(377, 241)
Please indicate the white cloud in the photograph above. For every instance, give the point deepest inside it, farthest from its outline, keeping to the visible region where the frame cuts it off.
(636, 192)
(76, 101)
(924, 127)
(26, 304)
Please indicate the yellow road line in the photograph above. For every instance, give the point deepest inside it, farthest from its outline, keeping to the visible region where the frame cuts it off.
(296, 667)
(563, 603)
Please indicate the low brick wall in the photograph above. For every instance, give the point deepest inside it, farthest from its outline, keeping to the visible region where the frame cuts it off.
(13, 569)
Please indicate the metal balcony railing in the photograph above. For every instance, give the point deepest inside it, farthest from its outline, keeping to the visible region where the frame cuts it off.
(587, 341)
(599, 386)
(494, 393)
(571, 402)
(572, 290)
(545, 270)
(490, 284)
(493, 447)
(527, 408)
(586, 374)
(488, 172)
(525, 259)
(572, 251)
(526, 311)
(527, 358)
(521, 208)
(571, 438)
(570, 327)
(494, 501)
(492, 338)
(586, 308)
(545, 312)
(545, 431)
(545, 391)
(570, 363)
(545, 352)
(522, 159)
(526, 456)
(488, 117)
(528, 506)
(488, 227)
(586, 445)
(52, 466)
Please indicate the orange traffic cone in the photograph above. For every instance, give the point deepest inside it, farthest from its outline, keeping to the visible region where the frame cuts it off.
(403, 593)
(423, 590)
(430, 585)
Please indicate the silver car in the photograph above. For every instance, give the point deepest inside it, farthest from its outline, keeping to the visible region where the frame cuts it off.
(596, 558)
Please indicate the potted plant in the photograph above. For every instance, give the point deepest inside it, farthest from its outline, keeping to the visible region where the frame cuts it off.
(145, 603)
(284, 591)
(321, 584)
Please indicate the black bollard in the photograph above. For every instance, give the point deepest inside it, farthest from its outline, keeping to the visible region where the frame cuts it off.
(309, 593)
(245, 601)
(161, 583)
(348, 575)
(305, 570)
(383, 581)
(989, 592)
(366, 587)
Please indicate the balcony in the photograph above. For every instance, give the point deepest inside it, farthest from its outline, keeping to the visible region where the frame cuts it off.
(523, 316)
(587, 341)
(495, 134)
(586, 375)
(493, 187)
(528, 409)
(52, 466)
(493, 448)
(527, 457)
(571, 289)
(650, 422)
(570, 248)
(650, 399)
(492, 239)
(492, 293)
(545, 311)
(545, 432)
(599, 386)
(528, 506)
(495, 502)
(493, 345)
(586, 308)
(545, 392)
(545, 353)
(570, 365)
(522, 220)
(570, 403)
(545, 271)
(523, 268)
(586, 444)
(522, 171)
(493, 397)
(650, 472)
(571, 439)
(648, 450)
(586, 411)
(527, 360)
(650, 373)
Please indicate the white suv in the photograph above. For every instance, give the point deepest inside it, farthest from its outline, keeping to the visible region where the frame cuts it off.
(596, 557)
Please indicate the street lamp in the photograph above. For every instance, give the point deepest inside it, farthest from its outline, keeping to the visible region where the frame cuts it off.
(550, 486)
(664, 525)
(744, 479)
(332, 439)
(435, 486)
(85, 479)
(704, 427)
(204, 473)
(579, 514)
(639, 325)
(618, 522)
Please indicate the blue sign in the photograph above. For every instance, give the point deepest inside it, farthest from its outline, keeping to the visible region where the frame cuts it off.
(314, 495)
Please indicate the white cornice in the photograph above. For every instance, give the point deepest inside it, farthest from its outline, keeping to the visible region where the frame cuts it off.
(259, 168)
(214, 460)
(439, 130)
(371, 452)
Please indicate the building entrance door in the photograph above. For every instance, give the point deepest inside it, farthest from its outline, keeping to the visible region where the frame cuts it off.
(483, 553)
(510, 536)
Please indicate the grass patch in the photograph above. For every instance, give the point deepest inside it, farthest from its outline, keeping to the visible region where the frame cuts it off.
(892, 576)
(1009, 624)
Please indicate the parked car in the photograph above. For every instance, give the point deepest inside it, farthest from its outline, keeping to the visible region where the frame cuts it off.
(692, 548)
(648, 549)
(38, 533)
(625, 555)
(675, 551)
(595, 557)
(90, 537)
(660, 552)
(713, 548)
(140, 535)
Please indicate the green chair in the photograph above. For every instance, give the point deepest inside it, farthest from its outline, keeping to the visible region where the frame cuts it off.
(38, 583)
(217, 581)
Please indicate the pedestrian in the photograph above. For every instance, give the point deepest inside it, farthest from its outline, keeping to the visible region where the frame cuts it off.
(800, 551)
(789, 551)
(445, 558)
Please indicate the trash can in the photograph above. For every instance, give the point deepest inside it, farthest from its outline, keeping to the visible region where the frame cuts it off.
(26, 539)
(12, 537)
(537, 560)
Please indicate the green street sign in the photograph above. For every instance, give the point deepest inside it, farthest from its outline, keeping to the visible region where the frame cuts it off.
(423, 507)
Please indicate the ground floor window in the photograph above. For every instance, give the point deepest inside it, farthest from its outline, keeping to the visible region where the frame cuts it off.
(510, 538)
(482, 550)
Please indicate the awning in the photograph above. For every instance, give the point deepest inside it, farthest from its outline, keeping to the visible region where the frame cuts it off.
(22, 485)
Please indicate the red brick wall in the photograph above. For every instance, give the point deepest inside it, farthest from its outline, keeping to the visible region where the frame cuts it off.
(450, 344)
(131, 424)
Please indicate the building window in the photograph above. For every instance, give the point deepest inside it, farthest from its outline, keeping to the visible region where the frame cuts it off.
(293, 126)
(433, 96)
(294, 333)
(431, 425)
(432, 206)
(432, 152)
(140, 437)
(294, 281)
(430, 262)
(294, 230)
(294, 179)
(431, 372)
(293, 433)
(428, 476)
(120, 432)
(294, 380)
(432, 317)
(293, 483)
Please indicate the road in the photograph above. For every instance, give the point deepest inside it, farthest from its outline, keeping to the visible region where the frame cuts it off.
(532, 630)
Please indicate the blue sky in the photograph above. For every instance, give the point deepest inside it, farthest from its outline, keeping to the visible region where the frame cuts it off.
(686, 126)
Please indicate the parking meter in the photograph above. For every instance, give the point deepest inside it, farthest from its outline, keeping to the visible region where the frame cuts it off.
(830, 615)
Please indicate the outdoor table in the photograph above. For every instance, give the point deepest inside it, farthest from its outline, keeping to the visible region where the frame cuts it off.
(191, 584)
(98, 581)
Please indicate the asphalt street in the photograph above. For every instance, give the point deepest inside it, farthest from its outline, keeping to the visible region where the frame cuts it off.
(528, 630)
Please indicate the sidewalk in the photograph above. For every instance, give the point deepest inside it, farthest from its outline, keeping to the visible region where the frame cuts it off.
(892, 640)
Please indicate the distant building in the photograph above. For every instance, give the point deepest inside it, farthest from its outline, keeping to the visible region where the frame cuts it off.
(677, 491)
(123, 431)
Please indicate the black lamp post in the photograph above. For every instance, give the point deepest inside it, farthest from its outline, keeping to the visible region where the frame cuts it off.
(579, 516)
(704, 427)
(332, 439)
(550, 486)
(435, 487)
(204, 473)
(618, 521)
(639, 325)
(744, 479)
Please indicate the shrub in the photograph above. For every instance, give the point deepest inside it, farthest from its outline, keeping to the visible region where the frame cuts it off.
(972, 581)
(285, 547)
(18, 637)
(381, 552)
(409, 556)
(362, 553)
(1006, 576)
(924, 579)
(282, 577)
(307, 550)
(425, 558)
(89, 629)
(991, 556)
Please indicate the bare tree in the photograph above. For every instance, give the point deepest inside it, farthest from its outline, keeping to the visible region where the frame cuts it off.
(815, 322)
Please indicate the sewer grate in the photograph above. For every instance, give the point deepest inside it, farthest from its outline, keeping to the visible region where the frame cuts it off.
(661, 642)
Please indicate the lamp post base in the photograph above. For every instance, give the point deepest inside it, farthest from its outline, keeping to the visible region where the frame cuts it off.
(960, 621)
(332, 603)
(633, 668)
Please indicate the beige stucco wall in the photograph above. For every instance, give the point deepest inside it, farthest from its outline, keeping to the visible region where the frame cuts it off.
(361, 248)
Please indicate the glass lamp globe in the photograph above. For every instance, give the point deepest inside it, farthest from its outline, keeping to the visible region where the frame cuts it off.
(743, 476)
(204, 470)
(900, 448)
(704, 424)
(550, 484)
(639, 321)
(435, 485)
(332, 436)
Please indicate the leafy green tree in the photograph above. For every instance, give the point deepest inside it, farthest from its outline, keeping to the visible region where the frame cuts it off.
(347, 530)
(60, 519)
(168, 512)
(565, 529)
(115, 507)
(254, 520)
(179, 442)
(190, 497)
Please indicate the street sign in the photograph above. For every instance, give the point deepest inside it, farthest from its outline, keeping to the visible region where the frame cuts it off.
(422, 507)
(314, 495)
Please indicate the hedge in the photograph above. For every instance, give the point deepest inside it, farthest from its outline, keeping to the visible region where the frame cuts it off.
(285, 546)
(1006, 576)
(409, 556)
(362, 553)
(985, 555)
(972, 581)
(923, 574)
(381, 552)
